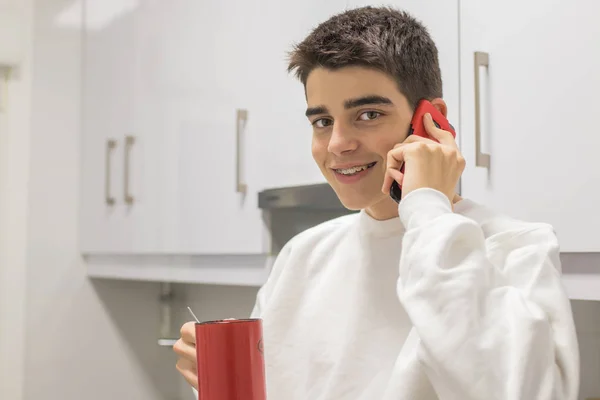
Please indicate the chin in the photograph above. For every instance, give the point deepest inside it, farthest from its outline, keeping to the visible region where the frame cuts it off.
(358, 196)
(356, 201)
(354, 205)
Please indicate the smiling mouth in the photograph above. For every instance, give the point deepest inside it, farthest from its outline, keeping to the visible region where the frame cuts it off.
(354, 170)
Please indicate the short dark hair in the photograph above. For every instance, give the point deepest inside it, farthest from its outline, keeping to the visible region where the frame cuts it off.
(382, 38)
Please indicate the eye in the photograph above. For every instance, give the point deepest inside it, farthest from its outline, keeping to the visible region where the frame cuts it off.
(369, 115)
(322, 123)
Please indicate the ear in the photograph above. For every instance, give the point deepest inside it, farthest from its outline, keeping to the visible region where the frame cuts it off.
(440, 104)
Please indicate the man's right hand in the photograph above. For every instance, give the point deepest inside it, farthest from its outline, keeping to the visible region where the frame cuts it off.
(185, 347)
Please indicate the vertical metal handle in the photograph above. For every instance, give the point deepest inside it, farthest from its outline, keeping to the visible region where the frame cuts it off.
(129, 141)
(481, 159)
(111, 144)
(242, 117)
(4, 89)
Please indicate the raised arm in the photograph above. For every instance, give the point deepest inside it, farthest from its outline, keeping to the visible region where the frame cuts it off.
(493, 317)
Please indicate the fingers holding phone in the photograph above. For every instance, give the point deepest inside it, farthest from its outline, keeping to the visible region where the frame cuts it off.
(436, 164)
(441, 136)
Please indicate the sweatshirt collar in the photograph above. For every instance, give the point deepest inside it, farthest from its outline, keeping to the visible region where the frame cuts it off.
(372, 226)
(392, 226)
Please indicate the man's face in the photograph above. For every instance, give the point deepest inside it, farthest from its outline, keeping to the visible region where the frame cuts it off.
(358, 115)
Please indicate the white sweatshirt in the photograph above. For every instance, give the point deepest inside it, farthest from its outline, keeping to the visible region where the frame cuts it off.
(464, 305)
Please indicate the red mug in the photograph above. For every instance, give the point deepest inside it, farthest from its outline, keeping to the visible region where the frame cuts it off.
(230, 360)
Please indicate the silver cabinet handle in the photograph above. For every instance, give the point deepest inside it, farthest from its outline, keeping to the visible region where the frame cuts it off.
(129, 141)
(111, 144)
(242, 117)
(481, 159)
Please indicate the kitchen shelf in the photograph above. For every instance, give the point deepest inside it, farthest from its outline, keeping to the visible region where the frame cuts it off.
(237, 270)
(581, 271)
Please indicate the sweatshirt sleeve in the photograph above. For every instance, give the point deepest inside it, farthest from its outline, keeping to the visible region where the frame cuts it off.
(492, 316)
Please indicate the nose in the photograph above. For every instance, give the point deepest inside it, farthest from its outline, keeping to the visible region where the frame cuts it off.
(342, 140)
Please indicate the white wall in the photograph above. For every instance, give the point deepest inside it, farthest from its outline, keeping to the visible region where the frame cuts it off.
(14, 172)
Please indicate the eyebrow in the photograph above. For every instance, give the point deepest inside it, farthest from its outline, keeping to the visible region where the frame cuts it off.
(310, 111)
(352, 103)
(367, 100)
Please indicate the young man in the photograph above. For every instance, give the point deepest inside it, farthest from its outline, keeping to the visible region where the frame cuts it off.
(434, 298)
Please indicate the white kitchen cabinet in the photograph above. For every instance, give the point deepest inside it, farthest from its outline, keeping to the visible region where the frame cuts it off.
(189, 89)
(107, 119)
(205, 165)
(167, 82)
(279, 135)
(163, 82)
(537, 101)
(534, 129)
(12, 44)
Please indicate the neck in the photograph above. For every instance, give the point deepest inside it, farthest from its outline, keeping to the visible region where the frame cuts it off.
(385, 209)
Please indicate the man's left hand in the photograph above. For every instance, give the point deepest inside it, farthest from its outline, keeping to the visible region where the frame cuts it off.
(428, 164)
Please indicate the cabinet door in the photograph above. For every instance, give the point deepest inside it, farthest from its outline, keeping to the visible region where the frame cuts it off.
(107, 106)
(440, 17)
(188, 93)
(537, 98)
(221, 117)
(281, 134)
(278, 134)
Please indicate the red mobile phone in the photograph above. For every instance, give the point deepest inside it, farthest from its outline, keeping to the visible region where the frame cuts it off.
(417, 127)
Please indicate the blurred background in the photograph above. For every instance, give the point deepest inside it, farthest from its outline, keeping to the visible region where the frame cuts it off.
(154, 155)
